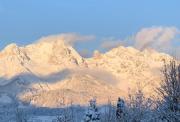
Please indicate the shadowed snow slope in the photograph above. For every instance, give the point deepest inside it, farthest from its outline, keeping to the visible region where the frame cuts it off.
(52, 73)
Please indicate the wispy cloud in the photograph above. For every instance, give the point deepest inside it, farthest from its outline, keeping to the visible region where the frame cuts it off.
(155, 37)
(69, 38)
(160, 38)
(109, 43)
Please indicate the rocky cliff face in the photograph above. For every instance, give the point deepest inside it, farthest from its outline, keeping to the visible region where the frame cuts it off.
(48, 73)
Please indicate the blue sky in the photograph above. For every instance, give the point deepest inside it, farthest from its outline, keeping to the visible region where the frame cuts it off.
(23, 21)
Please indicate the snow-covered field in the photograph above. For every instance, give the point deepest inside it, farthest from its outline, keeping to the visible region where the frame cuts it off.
(42, 119)
(5, 99)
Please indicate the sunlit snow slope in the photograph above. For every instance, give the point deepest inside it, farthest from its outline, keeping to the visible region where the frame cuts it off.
(51, 73)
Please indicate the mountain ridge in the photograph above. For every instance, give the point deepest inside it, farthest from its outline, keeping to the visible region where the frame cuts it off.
(114, 71)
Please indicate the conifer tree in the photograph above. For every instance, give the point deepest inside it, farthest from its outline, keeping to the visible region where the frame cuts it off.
(120, 112)
(92, 114)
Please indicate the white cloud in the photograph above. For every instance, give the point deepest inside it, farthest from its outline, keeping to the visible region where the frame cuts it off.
(155, 37)
(69, 38)
(110, 43)
(162, 39)
(159, 38)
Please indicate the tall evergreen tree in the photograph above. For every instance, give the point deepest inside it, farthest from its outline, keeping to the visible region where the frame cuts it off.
(120, 112)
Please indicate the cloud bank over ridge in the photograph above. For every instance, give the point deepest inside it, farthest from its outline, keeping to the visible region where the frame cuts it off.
(155, 37)
(69, 38)
(159, 38)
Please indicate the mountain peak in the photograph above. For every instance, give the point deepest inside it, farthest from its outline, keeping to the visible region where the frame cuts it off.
(44, 62)
(53, 40)
(10, 47)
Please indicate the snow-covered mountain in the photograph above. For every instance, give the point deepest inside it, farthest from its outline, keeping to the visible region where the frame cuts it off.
(52, 73)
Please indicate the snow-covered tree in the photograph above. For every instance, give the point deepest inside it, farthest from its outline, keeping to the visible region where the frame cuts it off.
(120, 112)
(63, 118)
(169, 91)
(139, 108)
(92, 114)
(20, 116)
(67, 113)
(109, 112)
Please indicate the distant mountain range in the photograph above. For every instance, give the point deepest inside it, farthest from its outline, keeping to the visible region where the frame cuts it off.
(52, 73)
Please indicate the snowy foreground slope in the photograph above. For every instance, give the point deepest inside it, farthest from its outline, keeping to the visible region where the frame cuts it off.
(51, 74)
